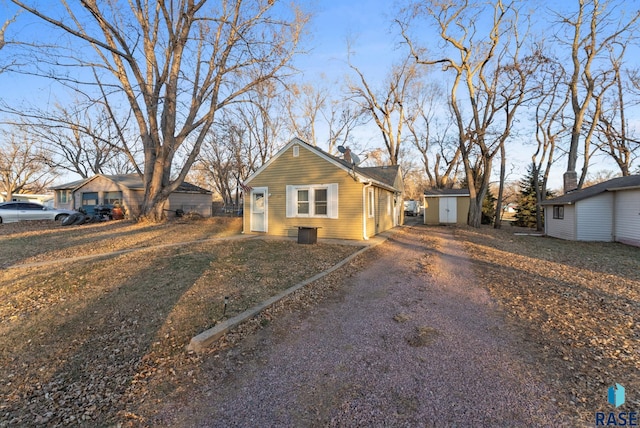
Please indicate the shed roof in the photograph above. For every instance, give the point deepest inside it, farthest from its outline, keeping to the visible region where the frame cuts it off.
(446, 192)
(620, 183)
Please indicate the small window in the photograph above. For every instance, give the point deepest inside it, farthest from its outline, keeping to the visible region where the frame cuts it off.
(320, 200)
(303, 201)
(296, 151)
(558, 212)
(63, 196)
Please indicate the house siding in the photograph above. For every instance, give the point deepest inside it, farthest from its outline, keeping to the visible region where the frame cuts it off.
(189, 203)
(594, 220)
(309, 169)
(101, 186)
(627, 216)
(561, 228)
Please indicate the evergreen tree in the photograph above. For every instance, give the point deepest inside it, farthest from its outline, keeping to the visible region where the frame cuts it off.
(488, 208)
(526, 211)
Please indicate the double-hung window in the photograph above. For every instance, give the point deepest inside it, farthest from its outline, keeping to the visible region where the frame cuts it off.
(317, 200)
(558, 212)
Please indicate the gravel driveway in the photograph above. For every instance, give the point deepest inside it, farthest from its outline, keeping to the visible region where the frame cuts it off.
(410, 340)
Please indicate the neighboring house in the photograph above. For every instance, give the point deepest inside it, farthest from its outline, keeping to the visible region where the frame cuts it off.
(304, 186)
(46, 200)
(608, 211)
(127, 190)
(446, 206)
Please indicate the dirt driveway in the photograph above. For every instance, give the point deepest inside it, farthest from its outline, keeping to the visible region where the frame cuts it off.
(409, 340)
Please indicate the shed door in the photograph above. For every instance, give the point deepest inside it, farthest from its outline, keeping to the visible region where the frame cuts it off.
(259, 209)
(448, 213)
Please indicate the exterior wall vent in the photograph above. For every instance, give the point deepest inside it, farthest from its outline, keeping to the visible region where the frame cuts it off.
(296, 151)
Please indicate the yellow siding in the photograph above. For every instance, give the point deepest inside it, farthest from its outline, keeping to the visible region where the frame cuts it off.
(310, 169)
(431, 210)
(463, 209)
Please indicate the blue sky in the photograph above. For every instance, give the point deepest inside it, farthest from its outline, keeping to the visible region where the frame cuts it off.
(367, 23)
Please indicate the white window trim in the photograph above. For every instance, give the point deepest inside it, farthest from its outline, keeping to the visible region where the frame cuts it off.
(292, 200)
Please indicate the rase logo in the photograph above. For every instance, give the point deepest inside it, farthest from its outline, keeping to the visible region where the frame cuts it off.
(615, 396)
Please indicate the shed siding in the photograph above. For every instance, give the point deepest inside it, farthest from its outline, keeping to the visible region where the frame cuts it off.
(308, 169)
(463, 209)
(594, 219)
(432, 209)
(560, 228)
(627, 216)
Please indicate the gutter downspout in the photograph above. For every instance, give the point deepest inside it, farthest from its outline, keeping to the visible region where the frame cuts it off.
(364, 210)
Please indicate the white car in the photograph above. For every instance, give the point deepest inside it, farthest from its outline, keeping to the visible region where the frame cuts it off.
(411, 208)
(11, 212)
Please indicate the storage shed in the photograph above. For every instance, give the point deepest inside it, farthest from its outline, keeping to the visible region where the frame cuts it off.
(446, 206)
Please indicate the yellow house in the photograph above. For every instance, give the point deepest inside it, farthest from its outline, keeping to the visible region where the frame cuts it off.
(304, 186)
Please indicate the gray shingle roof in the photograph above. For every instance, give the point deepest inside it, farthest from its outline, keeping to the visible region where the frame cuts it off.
(630, 181)
(130, 181)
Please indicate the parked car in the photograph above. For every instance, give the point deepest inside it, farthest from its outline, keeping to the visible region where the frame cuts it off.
(411, 208)
(18, 211)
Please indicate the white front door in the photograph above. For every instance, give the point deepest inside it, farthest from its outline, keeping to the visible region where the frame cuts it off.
(448, 213)
(259, 209)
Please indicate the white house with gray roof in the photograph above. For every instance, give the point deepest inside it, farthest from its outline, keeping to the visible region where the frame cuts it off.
(607, 212)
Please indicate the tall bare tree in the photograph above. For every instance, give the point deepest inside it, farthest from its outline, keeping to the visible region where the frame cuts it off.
(312, 107)
(431, 136)
(596, 28)
(386, 107)
(22, 169)
(175, 63)
(616, 136)
(550, 102)
(482, 54)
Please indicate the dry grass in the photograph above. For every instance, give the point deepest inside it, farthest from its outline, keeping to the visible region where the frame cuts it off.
(576, 303)
(102, 342)
(82, 339)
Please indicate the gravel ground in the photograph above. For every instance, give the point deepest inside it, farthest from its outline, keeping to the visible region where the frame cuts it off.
(409, 340)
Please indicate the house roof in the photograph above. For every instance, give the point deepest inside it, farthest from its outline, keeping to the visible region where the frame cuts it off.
(130, 181)
(383, 176)
(446, 192)
(620, 183)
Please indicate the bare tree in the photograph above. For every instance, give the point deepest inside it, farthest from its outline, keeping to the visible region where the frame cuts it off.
(550, 101)
(489, 80)
(22, 169)
(387, 107)
(80, 138)
(593, 30)
(175, 63)
(440, 153)
(616, 136)
(311, 106)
